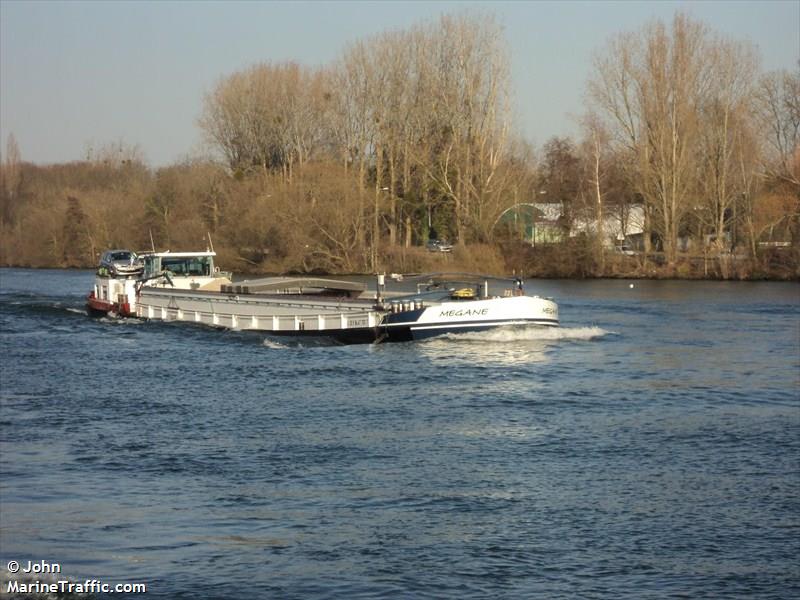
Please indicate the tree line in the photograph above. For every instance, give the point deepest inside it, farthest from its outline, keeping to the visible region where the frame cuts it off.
(408, 135)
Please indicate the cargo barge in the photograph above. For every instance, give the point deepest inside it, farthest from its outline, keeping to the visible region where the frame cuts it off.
(189, 287)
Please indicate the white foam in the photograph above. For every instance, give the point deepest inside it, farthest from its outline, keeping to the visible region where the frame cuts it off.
(514, 431)
(530, 334)
(273, 344)
(498, 335)
(114, 319)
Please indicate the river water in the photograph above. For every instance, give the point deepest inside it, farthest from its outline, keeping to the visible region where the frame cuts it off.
(649, 448)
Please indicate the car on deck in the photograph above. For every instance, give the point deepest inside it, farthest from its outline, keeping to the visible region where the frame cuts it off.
(121, 262)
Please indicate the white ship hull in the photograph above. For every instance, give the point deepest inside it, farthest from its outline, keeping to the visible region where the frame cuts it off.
(343, 319)
(274, 313)
(474, 315)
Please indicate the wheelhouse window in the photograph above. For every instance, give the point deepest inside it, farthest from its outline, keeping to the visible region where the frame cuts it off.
(186, 266)
(197, 266)
(152, 266)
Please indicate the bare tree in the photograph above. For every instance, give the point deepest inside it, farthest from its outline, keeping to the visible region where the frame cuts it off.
(595, 149)
(267, 117)
(725, 122)
(226, 121)
(115, 154)
(648, 86)
(779, 109)
(464, 115)
(353, 120)
(560, 177)
(10, 179)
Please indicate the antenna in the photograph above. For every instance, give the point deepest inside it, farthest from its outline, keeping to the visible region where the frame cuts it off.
(152, 244)
(210, 243)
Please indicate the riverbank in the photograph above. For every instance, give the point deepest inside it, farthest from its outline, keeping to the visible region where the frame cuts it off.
(579, 261)
(544, 262)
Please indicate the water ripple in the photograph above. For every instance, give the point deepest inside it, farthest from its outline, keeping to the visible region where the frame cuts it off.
(646, 449)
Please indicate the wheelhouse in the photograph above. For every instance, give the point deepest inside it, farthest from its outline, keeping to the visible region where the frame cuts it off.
(180, 264)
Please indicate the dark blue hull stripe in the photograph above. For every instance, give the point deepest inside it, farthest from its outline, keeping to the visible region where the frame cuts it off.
(404, 332)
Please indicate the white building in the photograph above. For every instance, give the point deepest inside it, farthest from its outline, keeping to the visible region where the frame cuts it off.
(619, 224)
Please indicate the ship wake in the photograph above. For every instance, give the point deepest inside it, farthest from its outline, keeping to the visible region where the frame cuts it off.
(533, 334)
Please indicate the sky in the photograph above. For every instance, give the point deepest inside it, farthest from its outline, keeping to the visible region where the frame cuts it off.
(75, 75)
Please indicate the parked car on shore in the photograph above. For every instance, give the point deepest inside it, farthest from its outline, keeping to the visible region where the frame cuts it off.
(625, 249)
(439, 246)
